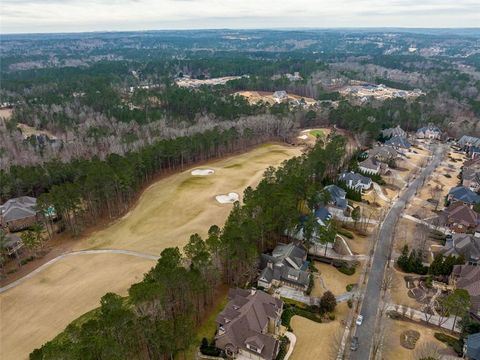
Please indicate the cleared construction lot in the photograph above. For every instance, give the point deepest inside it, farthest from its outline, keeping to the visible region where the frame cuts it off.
(167, 213)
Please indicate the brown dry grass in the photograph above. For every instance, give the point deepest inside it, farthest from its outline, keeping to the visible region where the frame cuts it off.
(399, 291)
(6, 113)
(392, 349)
(41, 307)
(333, 279)
(166, 214)
(318, 340)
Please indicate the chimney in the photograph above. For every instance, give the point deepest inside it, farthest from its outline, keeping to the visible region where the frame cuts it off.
(449, 241)
(253, 291)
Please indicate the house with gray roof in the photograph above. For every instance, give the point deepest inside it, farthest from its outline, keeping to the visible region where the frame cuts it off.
(395, 131)
(286, 266)
(471, 178)
(467, 277)
(18, 213)
(464, 195)
(369, 166)
(249, 325)
(472, 347)
(465, 245)
(429, 132)
(13, 244)
(356, 181)
(466, 142)
(398, 142)
(280, 96)
(338, 202)
(383, 154)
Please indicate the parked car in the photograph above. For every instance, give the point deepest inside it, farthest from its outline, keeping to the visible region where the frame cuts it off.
(354, 344)
(359, 320)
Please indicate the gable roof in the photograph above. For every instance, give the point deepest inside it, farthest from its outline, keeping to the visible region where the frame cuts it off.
(430, 127)
(355, 178)
(462, 193)
(462, 214)
(469, 140)
(466, 245)
(244, 319)
(369, 163)
(337, 196)
(398, 141)
(18, 208)
(323, 214)
(396, 131)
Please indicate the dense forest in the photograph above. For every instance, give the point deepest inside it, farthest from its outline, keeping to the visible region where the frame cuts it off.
(158, 318)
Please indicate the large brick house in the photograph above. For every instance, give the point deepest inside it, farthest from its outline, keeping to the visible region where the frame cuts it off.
(18, 213)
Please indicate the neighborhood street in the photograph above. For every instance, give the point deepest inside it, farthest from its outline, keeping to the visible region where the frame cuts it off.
(371, 300)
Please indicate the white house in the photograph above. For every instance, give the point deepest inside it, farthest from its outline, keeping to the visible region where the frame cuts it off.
(356, 181)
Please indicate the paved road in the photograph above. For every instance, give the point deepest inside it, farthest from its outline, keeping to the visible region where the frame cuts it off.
(370, 304)
(76, 253)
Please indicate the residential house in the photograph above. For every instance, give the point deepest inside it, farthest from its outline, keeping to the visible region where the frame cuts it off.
(474, 152)
(471, 178)
(466, 142)
(18, 213)
(280, 96)
(323, 216)
(465, 245)
(471, 349)
(369, 166)
(392, 132)
(464, 195)
(429, 132)
(460, 218)
(472, 164)
(286, 266)
(249, 325)
(398, 142)
(467, 277)
(383, 154)
(356, 181)
(338, 202)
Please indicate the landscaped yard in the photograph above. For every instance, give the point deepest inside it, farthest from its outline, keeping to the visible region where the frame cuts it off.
(331, 279)
(318, 340)
(393, 350)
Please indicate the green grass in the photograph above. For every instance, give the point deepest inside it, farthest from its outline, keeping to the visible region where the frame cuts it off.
(317, 133)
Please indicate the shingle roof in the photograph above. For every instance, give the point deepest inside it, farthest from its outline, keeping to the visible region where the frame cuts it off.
(431, 128)
(396, 131)
(466, 245)
(337, 196)
(369, 163)
(355, 178)
(469, 140)
(245, 317)
(18, 208)
(398, 141)
(461, 193)
(462, 214)
(323, 214)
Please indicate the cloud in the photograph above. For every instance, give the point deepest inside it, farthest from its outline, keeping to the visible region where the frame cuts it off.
(97, 15)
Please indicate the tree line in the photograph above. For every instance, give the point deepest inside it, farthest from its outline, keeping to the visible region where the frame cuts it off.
(159, 317)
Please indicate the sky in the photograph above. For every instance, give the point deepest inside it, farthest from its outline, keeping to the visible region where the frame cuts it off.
(32, 16)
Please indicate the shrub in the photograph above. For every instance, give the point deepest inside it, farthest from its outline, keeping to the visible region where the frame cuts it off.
(350, 287)
(347, 270)
(328, 302)
(345, 233)
(349, 303)
(284, 342)
(331, 316)
(209, 350)
(454, 343)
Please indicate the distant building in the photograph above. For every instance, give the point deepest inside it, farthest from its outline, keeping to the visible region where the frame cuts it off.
(13, 244)
(471, 178)
(383, 154)
(429, 132)
(467, 277)
(356, 181)
(249, 325)
(464, 195)
(392, 132)
(286, 266)
(18, 213)
(466, 142)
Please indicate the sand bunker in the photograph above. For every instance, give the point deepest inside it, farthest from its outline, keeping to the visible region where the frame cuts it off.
(230, 198)
(202, 172)
(303, 137)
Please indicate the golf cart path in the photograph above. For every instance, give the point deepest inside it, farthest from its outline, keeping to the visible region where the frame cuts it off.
(76, 253)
